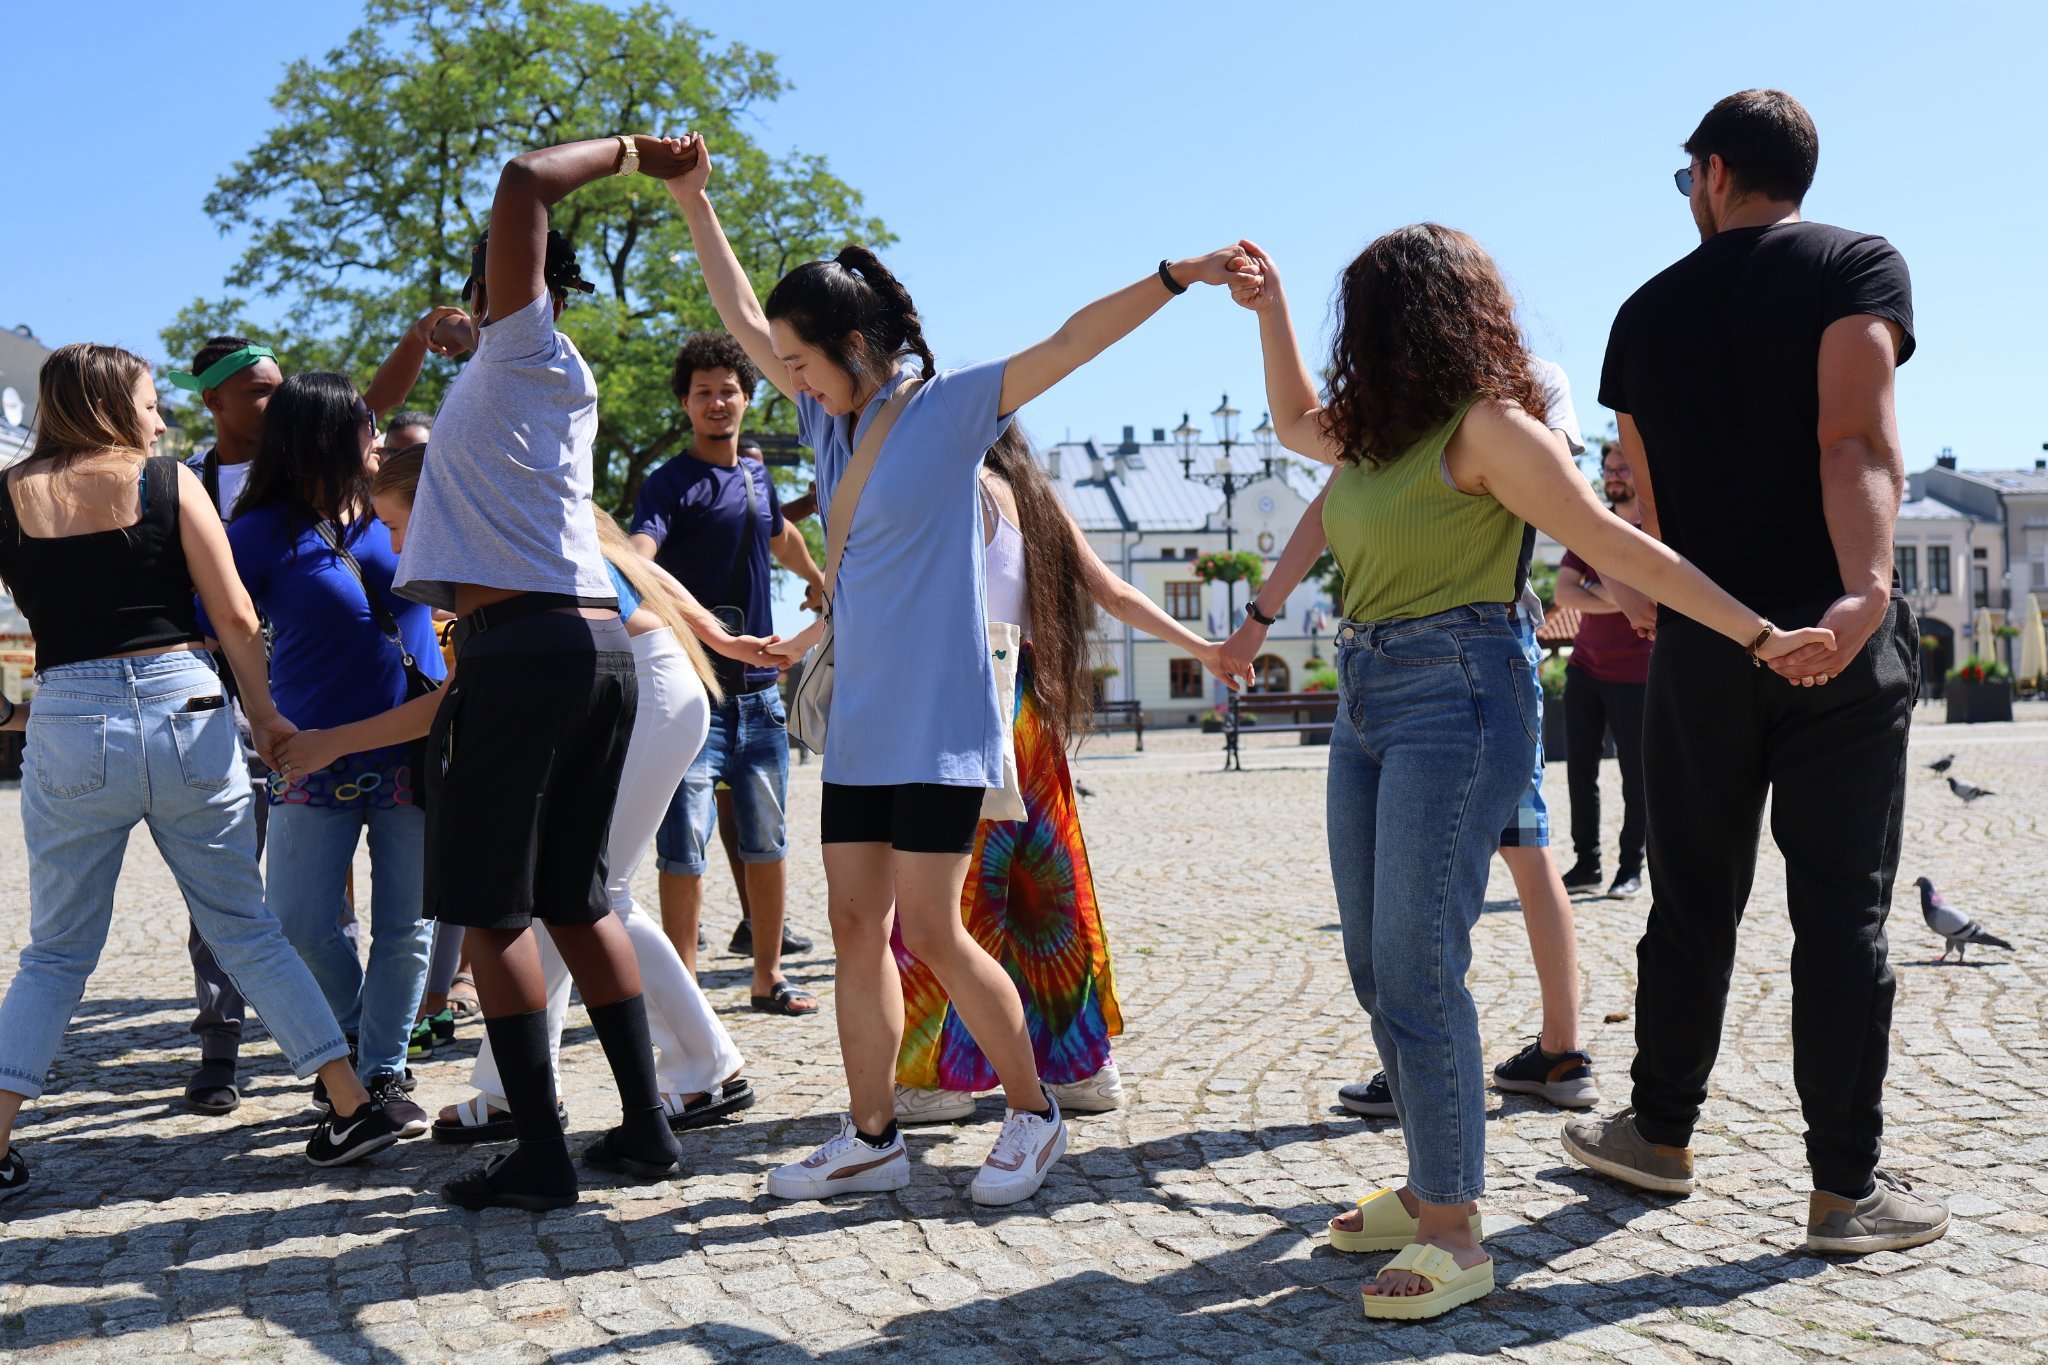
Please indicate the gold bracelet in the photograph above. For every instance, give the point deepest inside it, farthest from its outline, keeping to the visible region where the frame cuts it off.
(629, 156)
(1763, 636)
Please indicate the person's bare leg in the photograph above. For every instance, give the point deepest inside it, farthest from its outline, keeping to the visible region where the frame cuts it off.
(682, 910)
(600, 960)
(928, 901)
(859, 891)
(729, 840)
(768, 885)
(506, 963)
(1553, 943)
(344, 1091)
(1438, 1225)
(10, 1109)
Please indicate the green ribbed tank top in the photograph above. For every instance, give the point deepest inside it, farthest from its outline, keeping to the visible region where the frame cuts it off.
(1412, 545)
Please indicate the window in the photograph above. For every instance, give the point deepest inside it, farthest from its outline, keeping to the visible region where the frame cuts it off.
(1273, 673)
(1937, 569)
(1184, 679)
(1980, 585)
(1184, 602)
(1906, 567)
(1190, 553)
(1168, 553)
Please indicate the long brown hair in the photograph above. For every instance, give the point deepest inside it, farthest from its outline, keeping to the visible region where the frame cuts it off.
(85, 402)
(1423, 322)
(1055, 586)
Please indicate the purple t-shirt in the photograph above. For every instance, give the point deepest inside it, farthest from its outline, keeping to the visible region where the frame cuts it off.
(696, 514)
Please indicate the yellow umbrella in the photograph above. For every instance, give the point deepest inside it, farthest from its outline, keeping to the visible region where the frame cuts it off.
(2033, 642)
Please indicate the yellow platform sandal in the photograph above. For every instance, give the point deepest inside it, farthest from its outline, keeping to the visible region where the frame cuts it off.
(1452, 1284)
(1383, 1225)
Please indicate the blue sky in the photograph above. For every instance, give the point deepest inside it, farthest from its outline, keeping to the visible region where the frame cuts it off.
(1035, 156)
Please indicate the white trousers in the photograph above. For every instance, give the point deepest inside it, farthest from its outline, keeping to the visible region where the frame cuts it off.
(693, 1052)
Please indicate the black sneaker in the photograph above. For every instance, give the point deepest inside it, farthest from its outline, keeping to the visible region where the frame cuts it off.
(742, 944)
(408, 1080)
(1626, 883)
(411, 1120)
(320, 1100)
(1565, 1079)
(1373, 1099)
(1584, 876)
(338, 1141)
(13, 1174)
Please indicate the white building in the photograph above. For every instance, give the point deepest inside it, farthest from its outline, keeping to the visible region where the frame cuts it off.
(2008, 546)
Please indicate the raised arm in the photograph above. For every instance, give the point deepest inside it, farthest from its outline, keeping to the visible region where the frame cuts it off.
(400, 371)
(1291, 397)
(1297, 557)
(235, 623)
(732, 292)
(533, 182)
(1132, 607)
(1103, 323)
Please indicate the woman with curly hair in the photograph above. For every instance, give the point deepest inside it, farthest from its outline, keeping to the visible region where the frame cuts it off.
(1435, 419)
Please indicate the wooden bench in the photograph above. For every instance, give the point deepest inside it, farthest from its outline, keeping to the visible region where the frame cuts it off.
(1121, 715)
(1275, 713)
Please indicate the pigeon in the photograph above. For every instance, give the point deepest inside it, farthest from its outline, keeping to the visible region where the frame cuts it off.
(1941, 765)
(1080, 790)
(1969, 791)
(1952, 924)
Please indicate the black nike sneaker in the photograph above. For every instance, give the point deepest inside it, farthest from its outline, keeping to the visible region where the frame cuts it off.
(338, 1141)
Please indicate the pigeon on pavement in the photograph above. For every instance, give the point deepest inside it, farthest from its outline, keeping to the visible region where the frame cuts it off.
(1969, 791)
(1941, 765)
(1952, 924)
(1080, 790)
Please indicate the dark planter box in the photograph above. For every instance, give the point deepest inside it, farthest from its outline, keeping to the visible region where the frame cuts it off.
(1971, 703)
(1553, 729)
(1211, 726)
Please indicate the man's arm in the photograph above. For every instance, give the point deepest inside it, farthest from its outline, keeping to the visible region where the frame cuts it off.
(400, 371)
(1583, 594)
(793, 554)
(1862, 477)
(533, 182)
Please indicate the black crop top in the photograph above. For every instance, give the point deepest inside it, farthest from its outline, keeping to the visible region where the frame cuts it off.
(103, 592)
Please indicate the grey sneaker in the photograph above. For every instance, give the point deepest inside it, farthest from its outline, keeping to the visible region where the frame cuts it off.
(1889, 1218)
(1613, 1147)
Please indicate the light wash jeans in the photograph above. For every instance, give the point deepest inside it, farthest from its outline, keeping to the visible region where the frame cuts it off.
(308, 859)
(111, 745)
(1432, 750)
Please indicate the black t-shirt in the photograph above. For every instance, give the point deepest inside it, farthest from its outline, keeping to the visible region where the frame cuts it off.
(697, 513)
(1717, 361)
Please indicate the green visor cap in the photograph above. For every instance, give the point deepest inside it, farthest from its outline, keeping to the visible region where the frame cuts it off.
(232, 363)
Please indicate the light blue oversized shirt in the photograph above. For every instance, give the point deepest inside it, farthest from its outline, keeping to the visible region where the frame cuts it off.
(914, 695)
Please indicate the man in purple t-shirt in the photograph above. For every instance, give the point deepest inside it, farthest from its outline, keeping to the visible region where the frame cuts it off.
(1603, 691)
(712, 520)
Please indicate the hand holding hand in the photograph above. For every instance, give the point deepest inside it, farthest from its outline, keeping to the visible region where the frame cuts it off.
(306, 753)
(688, 180)
(759, 651)
(1849, 623)
(1224, 265)
(1234, 656)
(1234, 675)
(1255, 280)
(1815, 642)
(448, 331)
(665, 158)
(270, 733)
(789, 651)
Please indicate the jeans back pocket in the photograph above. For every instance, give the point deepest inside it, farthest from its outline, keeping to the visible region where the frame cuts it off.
(69, 753)
(209, 749)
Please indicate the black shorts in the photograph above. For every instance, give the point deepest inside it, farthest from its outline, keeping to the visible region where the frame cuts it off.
(523, 766)
(910, 817)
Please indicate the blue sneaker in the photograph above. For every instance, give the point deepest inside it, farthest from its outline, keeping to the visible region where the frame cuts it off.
(1565, 1078)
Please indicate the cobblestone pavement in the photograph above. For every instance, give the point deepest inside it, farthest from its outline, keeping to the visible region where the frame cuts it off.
(1187, 1225)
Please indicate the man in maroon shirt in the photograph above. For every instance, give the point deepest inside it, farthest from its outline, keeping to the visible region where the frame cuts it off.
(1603, 690)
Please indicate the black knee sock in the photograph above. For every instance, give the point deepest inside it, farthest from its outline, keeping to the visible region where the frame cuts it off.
(622, 1028)
(519, 1045)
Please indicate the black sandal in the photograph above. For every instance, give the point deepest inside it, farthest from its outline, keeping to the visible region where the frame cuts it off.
(786, 1000)
(729, 1098)
(477, 1121)
(212, 1089)
(475, 1190)
(601, 1155)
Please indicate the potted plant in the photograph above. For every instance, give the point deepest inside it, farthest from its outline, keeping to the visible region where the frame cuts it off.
(1231, 566)
(1979, 690)
(1319, 677)
(1550, 673)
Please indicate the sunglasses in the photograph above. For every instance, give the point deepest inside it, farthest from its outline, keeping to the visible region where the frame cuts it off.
(365, 416)
(1683, 179)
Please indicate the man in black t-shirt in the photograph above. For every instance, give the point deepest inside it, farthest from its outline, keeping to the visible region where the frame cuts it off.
(1770, 352)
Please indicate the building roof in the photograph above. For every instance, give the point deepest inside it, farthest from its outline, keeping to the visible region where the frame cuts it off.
(2033, 480)
(1560, 626)
(1932, 509)
(1138, 485)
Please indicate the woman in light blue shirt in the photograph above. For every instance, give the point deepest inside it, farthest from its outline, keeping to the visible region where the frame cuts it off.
(916, 735)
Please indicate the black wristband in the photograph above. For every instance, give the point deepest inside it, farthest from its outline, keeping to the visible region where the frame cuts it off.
(1173, 286)
(1251, 609)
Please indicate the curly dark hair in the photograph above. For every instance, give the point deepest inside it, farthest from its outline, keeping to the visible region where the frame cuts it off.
(1423, 322)
(712, 351)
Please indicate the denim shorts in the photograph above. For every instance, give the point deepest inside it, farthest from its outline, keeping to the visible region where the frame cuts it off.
(747, 750)
(1531, 828)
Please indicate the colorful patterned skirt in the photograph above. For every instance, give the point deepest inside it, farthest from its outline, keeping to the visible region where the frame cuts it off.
(1030, 903)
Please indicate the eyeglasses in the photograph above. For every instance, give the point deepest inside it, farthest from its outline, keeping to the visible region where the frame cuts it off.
(1683, 179)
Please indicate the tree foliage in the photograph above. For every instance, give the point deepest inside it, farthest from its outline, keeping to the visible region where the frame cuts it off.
(361, 205)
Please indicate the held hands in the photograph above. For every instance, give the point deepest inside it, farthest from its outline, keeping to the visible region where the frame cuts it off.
(1234, 656)
(1811, 642)
(760, 651)
(447, 331)
(306, 753)
(271, 732)
(665, 158)
(1224, 265)
(1255, 280)
(790, 651)
(1234, 675)
(689, 180)
(1848, 626)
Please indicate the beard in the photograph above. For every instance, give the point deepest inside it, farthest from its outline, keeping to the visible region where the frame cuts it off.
(1620, 492)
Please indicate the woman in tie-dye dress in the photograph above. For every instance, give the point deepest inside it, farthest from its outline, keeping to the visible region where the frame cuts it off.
(1030, 899)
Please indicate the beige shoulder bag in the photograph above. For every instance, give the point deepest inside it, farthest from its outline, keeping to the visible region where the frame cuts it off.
(811, 704)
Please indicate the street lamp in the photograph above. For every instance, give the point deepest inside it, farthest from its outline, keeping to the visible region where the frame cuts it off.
(1225, 477)
(1265, 436)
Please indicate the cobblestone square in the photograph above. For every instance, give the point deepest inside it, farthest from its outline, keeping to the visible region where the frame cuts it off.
(1185, 1226)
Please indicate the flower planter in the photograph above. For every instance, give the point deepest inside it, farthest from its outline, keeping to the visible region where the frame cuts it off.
(1212, 726)
(1972, 703)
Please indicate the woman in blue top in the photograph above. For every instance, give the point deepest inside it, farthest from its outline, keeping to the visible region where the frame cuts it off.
(915, 734)
(304, 514)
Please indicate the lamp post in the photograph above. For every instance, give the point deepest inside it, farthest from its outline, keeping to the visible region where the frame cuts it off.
(1225, 477)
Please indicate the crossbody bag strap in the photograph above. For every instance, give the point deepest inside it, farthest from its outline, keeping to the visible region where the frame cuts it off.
(846, 497)
(379, 613)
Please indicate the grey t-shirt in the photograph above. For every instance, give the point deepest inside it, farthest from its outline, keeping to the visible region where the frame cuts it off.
(504, 496)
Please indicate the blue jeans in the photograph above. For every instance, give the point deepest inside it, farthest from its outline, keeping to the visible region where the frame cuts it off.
(1431, 752)
(310, 850)
(748, 750)
(1530, 827)
(110, 746)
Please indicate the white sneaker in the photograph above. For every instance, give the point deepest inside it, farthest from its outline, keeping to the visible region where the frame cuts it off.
(915, 1104)
(845, 1165)
(1097, 1094)
(1024, 1151)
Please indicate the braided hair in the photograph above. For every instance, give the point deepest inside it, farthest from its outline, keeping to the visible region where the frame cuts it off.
(561, 272)
(825, 301)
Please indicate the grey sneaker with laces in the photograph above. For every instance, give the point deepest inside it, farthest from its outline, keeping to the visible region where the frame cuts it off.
(1613, 1147)
(1889, 1218)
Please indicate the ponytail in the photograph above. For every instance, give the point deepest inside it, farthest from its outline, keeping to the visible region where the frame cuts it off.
(824, 301)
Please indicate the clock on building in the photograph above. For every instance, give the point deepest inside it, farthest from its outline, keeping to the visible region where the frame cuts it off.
(1265, 504)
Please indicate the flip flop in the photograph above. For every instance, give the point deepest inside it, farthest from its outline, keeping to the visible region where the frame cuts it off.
(785, 1000)
(1383, 1225)
(1452, 1284)
(476, 1121)
(464, 1006)
(729, 1098)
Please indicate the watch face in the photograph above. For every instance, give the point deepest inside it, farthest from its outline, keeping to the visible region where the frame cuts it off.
(1266, 505)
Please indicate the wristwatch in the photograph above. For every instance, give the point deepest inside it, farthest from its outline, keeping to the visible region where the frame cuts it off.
(1251, 609)
(629, 156)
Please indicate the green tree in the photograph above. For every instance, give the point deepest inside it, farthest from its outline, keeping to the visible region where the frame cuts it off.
(360, 206)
